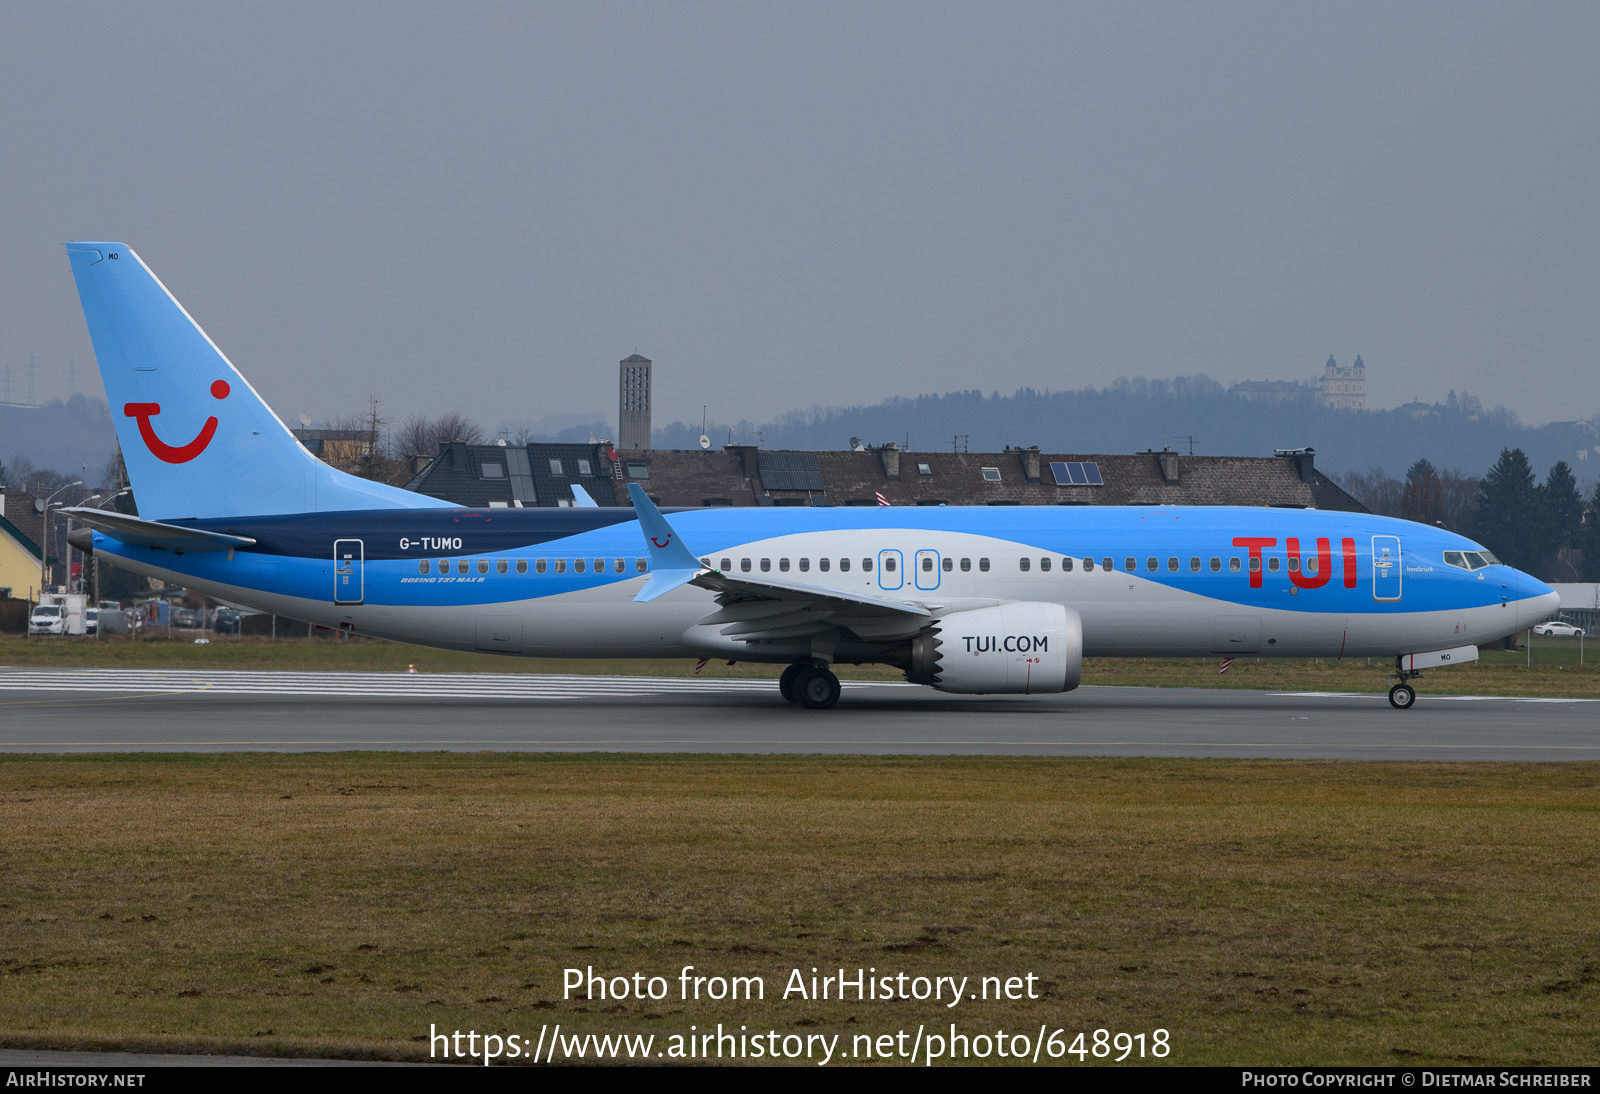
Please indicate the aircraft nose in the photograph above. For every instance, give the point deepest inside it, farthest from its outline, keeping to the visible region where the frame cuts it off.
(1537, 601)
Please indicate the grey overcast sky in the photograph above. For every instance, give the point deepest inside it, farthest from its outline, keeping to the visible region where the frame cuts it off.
(486, 205)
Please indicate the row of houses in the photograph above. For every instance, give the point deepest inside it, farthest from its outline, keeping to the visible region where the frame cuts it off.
(542, 474)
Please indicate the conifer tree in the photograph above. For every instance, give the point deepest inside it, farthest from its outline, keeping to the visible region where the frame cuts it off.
(1509, 510)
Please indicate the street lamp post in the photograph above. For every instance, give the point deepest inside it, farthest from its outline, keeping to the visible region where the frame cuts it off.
(49, 521)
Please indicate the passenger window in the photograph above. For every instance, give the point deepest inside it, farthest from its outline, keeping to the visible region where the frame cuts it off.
(1023, 563)
(620, 566)
(1066, 565)
(1105, 564)
(1216, 565)
(727, 564)
(444, 565)
(866, 565)
(927, 564)
(1233, 564)
(1311, 565)
(1172, 565)
(423, 566)
(822, 564)
(744, 564)
(966, 565)
(577, 565)
(1088, 565)
(1194, 565)
(949, 565)
(539, 566)
(599, 565)
(888, 564)
(1272, 563)
(844, 565)
(461, 566)
(561, 565)
(522, 565)
(805, 565)
(501, 566)
(1151, 564)
(1130, 564)
(1255, 565)
(642, 565)
(1294, 565)
(766, 565)
(983, 564)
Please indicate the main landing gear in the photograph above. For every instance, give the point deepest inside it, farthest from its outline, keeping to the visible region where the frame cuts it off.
(810, 686)
(1402, 695)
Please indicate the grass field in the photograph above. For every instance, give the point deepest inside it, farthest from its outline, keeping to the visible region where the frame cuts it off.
(1555, 673)
(1262, 912)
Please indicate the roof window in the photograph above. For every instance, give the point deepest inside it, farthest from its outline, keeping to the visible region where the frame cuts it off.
(640, 471)
(583, 468)
(555, 468)
(991, 474)
(492, 470)
(924, 469)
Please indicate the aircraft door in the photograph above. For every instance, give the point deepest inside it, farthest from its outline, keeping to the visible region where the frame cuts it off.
(349, 566)
(927, 569)
(890, 570)
(1386, 567)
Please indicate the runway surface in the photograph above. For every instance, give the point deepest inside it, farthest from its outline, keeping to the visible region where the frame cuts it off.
(119, 710)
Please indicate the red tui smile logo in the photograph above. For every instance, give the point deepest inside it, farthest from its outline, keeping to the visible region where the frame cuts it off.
(143, 412)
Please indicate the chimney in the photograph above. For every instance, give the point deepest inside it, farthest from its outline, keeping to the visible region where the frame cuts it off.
(458, 455)
(1030, 462)
(1304, 461)
(1169, 466)
(749, 458)
(890, 455)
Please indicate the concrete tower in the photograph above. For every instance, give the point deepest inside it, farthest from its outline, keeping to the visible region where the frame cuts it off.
(633, 404)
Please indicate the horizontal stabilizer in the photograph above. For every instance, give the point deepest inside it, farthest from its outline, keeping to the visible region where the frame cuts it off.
(150, 533)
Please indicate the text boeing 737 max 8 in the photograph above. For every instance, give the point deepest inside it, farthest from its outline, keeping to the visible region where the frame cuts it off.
(963, 599)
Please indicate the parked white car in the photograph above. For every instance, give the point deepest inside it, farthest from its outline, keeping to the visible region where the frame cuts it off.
(47, 619)
(1558, 630)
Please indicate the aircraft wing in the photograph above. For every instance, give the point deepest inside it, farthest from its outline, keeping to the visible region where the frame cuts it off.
(764, 610)
(151, 533)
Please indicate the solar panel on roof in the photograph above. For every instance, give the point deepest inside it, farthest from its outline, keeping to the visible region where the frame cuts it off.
(789, 471)
(1076, 474)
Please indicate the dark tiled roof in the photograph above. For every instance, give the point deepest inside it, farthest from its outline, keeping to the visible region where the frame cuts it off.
(20, 515)
(734, 476)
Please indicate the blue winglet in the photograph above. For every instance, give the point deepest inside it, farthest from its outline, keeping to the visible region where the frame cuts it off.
(671, 563)
(581, 498)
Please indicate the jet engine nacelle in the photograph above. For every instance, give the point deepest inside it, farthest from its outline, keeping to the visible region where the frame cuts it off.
(1026, 648)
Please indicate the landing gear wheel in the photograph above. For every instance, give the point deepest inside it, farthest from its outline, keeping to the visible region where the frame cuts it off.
(816, 689)
(786, 681)
(1401, 696)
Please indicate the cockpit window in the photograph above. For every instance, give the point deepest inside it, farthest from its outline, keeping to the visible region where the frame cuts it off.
(1470, 560)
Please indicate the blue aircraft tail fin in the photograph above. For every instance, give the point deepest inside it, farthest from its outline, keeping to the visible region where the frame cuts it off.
(196, 438)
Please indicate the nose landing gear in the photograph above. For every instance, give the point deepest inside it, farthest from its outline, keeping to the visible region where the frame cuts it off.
(811, 686)
(1402, 694)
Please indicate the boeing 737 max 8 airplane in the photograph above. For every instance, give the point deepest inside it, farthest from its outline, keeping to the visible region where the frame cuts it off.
(963, 599)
